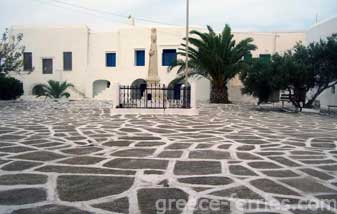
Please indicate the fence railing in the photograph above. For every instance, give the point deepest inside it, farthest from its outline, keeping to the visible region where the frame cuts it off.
(154, 96)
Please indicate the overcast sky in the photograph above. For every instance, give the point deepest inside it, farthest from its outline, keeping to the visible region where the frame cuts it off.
(242, 15)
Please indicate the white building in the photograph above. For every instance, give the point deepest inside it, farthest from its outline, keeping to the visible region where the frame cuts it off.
(92, 61)
(320, 31)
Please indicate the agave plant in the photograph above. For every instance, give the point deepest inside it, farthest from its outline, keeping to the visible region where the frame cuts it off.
(54, 89)
(216, 57)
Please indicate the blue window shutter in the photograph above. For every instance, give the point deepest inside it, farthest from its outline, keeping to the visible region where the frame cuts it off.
(169, 56)
(110, 59)
(140, 58)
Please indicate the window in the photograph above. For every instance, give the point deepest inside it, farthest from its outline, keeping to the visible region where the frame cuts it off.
(47, 66)
(265, 58)
(67, 61)
(140, 57)
(27, 61)
(110, 59)
(169, 56)
(333, 89)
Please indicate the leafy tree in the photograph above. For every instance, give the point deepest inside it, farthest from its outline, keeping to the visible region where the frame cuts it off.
(290, 72)
(257, 80)
(10, 88)
(294, 74)
(304, 69)
(308, 69)
(216, 57)
(54, 89)
(11, 52)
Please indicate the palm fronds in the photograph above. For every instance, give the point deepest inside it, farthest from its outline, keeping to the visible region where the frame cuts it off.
(217, 57)
(54, 89)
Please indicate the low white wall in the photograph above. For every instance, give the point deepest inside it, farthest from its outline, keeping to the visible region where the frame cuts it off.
(321, 31)
(327, 98)
(169, 111)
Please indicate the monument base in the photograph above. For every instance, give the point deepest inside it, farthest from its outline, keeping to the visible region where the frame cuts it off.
(154, 92)
(148, 111)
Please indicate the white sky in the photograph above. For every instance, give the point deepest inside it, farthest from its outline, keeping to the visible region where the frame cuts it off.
(242, 15)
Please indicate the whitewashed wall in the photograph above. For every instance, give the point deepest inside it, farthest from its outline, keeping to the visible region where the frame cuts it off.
(89, 50)
(321, 31)
(51, 42)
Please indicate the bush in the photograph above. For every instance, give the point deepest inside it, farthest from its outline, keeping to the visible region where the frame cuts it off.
(258, 80)
(10, 88)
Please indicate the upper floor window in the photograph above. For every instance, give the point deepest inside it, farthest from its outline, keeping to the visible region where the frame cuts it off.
(47, 66)
(27, 61)
(140, 57)
(169, 56)
(67, 61)
(110, 59)
(333, 89)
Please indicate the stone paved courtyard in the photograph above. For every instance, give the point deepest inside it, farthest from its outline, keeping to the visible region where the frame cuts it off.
(77, 158)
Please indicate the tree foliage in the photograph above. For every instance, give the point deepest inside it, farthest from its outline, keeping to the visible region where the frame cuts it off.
(54, 89)
(299, 71)
(10, 88)
(11, 52)
(217, 57)
(257, 80)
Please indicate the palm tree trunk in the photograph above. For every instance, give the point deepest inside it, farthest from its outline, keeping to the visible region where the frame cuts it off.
(219, 93)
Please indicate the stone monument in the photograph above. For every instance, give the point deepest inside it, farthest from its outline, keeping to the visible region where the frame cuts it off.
(152, 75)
(153, 95)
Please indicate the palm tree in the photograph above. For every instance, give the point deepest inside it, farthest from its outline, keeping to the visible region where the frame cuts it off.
(217, 57)
(54, 89)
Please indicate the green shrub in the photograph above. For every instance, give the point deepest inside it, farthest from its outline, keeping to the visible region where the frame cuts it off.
(10, 88)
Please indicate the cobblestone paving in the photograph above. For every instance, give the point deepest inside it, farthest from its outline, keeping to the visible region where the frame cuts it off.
(77, 158)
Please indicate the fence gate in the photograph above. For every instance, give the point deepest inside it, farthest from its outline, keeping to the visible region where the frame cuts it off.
(154, 96)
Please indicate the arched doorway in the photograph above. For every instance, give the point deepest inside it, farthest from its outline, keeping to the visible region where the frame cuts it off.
(138, 86)
(99, 86)
(38, 90)
(174, 92)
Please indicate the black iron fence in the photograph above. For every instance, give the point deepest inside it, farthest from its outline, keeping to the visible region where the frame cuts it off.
(154, 96)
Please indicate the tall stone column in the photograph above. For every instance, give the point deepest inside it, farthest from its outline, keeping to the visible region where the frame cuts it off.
(152, 76)
(154, 95)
